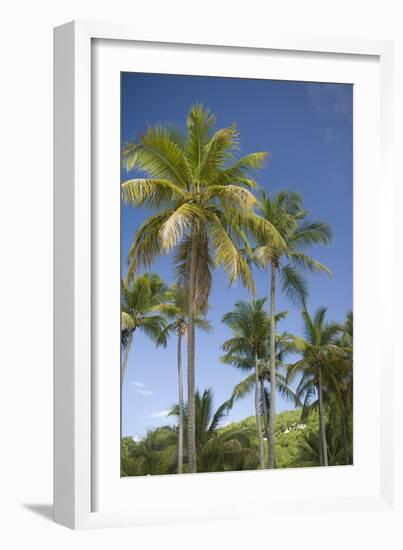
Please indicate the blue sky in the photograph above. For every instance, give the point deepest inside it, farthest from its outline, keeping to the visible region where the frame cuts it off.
(307, 128)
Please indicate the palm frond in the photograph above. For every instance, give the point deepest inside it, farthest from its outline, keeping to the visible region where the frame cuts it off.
(178, 224)
(293, 284)
(151, 192)
(159, 156)
(304, 261)
(228, 256)
(200, 123)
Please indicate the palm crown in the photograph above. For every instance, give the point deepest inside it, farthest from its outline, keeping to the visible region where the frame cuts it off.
(176, 312)
(201, 193)
(285, 212)
(249, 324)
(142, 302)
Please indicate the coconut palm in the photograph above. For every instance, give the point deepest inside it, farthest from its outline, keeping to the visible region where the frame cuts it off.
(319, 355)
(241, 355)
(141, 302)
(340, 385)
(201, 195)
(249, 324)
(219, 449)
(176, 311)
(287, 259)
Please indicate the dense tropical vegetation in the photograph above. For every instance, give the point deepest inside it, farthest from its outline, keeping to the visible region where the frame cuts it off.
(208, 213)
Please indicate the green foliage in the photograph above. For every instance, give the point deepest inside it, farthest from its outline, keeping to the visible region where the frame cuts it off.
(218, 450)
(327, 356)
(154, 454)
(232, 447)
(142, 301)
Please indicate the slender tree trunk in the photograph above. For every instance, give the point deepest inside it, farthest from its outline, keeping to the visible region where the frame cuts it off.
(344, 435)
(180, 387)
(266, 425)
(258, 424)
(272, 411)
(125, 358)
(322, 420)
(320, 448)
(191, 424)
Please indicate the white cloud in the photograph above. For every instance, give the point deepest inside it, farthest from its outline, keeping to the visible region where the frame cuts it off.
(141, 388)
(159, 414)
(144, 393)
(137, 384)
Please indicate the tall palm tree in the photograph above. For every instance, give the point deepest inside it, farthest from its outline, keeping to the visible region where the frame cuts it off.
(201, 195)
(241, 356)
(340, 384)
(176, 311)
(287, 259)
(141, 302)
(249, 324)
(285, 344)
(319, 353)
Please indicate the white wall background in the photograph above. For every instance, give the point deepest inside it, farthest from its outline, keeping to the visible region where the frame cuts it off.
(26, 254)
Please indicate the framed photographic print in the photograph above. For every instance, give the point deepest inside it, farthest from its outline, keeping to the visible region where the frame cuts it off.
(220, 223)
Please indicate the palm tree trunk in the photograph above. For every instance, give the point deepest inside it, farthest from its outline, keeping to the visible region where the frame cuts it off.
(180, 387)
(266, 425)
(272, 411)
(322, 420)
(125, 358)
(320, 448)
(344, 435)
(259, 427)
(191, 424)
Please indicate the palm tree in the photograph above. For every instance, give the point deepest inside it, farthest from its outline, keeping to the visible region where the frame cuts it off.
(249, 325)
(310, 451)
(142, 300)
(287, 258)
(241, 355)
(285, 344)
(219, 449)
(340, 384)
(201, 195)
(176, 310)
(319, 352)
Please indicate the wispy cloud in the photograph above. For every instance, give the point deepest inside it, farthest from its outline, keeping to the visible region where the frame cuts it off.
(144, 393)
(158, 414)
(141, 388)
(137, 384)
(330, 99)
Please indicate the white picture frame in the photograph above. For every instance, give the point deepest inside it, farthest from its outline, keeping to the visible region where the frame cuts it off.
(80, 436)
